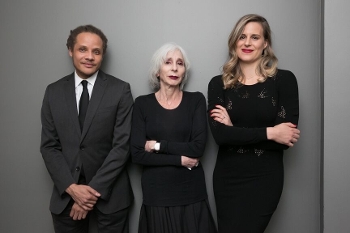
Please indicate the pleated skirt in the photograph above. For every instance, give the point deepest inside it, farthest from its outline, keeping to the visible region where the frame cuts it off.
(192, 218)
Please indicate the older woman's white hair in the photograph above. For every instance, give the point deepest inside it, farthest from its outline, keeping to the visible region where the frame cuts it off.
(158, 60)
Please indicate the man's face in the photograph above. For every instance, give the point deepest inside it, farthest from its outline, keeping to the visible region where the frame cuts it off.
(87, 54)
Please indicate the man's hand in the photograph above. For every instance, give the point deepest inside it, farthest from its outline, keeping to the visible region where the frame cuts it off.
(85, 196)
(77, 213)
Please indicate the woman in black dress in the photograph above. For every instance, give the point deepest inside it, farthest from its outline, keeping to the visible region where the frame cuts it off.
(253, 114)
(169, 132)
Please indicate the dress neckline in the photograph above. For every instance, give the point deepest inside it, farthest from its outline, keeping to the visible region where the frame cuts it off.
(169, 109)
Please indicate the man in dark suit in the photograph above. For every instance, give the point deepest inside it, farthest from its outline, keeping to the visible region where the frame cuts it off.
(86, 121)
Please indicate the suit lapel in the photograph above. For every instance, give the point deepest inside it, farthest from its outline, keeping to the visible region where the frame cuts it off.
(96, 97)
(69, 89)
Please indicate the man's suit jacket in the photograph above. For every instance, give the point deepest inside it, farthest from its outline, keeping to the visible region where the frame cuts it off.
(102, 147)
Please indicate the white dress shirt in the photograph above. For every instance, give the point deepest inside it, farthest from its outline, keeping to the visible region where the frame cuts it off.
(79, 87)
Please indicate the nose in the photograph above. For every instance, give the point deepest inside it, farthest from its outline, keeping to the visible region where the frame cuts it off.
(174, 68)
(247, 42)
(89, 56)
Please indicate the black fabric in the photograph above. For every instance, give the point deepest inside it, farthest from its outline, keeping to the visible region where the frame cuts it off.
(247, 190)
(248, 175)
(193, 218)
(83, 104)
(102, 147)
(117, 222)
(63, 223)
(181, 131)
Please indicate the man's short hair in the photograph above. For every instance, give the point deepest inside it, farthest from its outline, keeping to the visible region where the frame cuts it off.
(86, 28)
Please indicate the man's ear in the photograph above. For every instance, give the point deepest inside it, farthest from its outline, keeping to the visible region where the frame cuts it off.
(70, 52)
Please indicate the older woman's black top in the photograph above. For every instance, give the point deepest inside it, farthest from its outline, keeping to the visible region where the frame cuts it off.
(181, 131)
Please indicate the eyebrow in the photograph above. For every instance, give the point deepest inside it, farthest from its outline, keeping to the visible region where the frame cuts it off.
(251, 34)
(170, 58)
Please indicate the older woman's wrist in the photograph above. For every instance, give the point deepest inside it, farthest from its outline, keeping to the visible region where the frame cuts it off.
(157, 146)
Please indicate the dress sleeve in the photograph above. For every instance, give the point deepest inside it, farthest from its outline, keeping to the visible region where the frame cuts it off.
(288, 96)
(138, 141)
(229, 135)
(195, 147)
(287, 105)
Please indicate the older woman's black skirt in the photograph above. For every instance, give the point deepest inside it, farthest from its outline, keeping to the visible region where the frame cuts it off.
(193, 218)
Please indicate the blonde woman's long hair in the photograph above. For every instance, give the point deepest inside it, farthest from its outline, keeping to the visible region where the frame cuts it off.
(268, 63)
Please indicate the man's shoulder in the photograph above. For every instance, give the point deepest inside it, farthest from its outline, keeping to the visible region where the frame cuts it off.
(62, 81)
(111, 78)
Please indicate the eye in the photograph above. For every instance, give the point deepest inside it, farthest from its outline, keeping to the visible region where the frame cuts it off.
(255, 37)
(242, 37)
(180, 63)
(97, 52)
(167, 62)
(82, 49)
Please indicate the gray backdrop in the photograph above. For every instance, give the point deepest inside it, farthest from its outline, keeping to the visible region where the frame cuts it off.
(32, 40)
(336, 145)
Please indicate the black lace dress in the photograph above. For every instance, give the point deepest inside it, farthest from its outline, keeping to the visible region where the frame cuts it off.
(248, 175)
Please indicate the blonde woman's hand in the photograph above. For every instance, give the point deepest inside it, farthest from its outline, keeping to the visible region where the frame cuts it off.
(284, 133)
(220, 114)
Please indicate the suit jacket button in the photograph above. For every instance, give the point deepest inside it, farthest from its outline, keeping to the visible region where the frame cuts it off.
(82, 148)
(77, 169)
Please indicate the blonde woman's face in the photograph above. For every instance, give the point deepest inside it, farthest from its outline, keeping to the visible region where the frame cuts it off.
(251, 43)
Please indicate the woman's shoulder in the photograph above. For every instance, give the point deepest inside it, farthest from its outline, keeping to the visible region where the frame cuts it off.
(195, 95)
(216, 79)
(285, 77)
(144, 98)
(284, 74)
(216, 82)
(194, 98)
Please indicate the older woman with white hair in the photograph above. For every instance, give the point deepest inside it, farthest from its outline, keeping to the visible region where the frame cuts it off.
(169, 133)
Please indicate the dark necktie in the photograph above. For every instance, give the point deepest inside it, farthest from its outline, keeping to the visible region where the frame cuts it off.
(83, 104)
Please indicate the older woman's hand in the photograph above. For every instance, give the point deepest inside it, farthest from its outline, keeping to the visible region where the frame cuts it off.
(220, 114)
(189, 162)
(284, 133)
(149, 146)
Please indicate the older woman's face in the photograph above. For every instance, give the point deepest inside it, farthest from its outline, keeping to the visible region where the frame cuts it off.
(173, 69)
(251, 43)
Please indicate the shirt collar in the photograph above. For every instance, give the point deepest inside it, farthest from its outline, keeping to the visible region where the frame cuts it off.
(90, 79)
